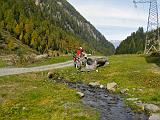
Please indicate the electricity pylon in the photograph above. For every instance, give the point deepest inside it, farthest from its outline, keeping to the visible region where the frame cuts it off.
(152, 43)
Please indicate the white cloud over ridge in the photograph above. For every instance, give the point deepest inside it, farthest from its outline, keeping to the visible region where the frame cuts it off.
(116, 19)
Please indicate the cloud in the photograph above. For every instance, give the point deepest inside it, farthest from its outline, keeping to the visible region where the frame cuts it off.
(113, 18)
(123, 22)
(116, 32)
(110, 11)
(109, 15)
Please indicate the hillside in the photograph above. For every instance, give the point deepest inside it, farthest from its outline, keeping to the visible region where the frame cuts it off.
(132, 44)
(10, 45)
(51, 25)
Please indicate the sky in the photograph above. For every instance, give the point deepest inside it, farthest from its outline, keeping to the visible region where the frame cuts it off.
(115, 19)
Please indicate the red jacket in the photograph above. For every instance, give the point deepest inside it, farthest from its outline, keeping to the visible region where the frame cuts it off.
(79, 53)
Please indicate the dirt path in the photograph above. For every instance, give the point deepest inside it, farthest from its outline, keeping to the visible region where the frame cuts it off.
(14, 71)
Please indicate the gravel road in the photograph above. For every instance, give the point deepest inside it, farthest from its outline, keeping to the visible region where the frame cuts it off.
(14, 71)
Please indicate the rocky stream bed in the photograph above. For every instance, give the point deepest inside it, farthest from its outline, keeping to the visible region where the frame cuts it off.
(109, 105)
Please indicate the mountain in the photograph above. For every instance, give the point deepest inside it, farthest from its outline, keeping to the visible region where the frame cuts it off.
(116, 43)
(134, 43)
(51, 25)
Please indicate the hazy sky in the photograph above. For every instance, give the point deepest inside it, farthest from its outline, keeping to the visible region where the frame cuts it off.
(115, 19)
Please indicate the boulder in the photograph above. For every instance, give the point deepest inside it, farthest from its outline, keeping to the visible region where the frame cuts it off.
(94, 84)
(102, 62)
(91, 67)
(148, 107)
(112, 86)
(90, 61)
(80, 94)
(154, 116)
(151, 108)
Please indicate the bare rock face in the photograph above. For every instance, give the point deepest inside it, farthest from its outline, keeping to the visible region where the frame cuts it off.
(112, 86)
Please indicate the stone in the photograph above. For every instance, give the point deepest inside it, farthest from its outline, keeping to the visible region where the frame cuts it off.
(37, 2)
(141, 90)
(132, 99)
(139, 104)
(101, 86)
(54, 76)
(151, 108)
(112, 86)
(50, 75)
(24, 108)
(9, 63)
(39, 57)
(94, 84)
(134, 89)
(107, 63)
(124, 90)
(35, 87)
(154, 116)
(80, 94)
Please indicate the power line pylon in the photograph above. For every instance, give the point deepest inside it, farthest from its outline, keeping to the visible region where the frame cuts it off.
(152, 43)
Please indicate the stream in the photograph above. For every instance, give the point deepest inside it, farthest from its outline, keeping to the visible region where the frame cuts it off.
(110, 106)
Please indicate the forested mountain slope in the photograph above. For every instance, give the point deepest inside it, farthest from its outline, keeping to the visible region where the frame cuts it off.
(51, 25)
(134, 43)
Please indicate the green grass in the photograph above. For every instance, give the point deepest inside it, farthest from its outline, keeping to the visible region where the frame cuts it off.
(50, 61)
(34, 97)
(2, 64)
(128, 71)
